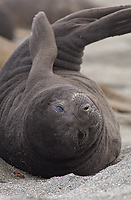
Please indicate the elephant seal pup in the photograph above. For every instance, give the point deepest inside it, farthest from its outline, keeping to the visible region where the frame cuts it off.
(54, 120)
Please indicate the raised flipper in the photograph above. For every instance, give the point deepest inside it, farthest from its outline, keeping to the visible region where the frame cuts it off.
(43, 50)
(76, 31)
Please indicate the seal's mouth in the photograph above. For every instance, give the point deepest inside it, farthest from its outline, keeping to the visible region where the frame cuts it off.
(81, 135)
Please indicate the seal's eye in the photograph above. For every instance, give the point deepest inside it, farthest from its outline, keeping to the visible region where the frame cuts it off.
(59, 109)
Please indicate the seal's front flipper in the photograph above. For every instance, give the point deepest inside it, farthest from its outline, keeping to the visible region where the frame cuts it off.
(76, 31)
(42, 48)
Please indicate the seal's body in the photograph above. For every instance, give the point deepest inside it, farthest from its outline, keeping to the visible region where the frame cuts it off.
(54, 120)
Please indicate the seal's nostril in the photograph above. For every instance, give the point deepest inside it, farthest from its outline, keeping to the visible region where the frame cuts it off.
(86, 107)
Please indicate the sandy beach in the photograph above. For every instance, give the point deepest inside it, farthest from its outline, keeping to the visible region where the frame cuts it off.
(114, 182)
(107, 62)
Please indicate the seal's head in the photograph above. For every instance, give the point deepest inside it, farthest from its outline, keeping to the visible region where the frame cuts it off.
(61, 125)
(66, 116)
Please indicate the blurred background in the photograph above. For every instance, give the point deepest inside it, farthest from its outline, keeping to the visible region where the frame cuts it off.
(107, 62)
